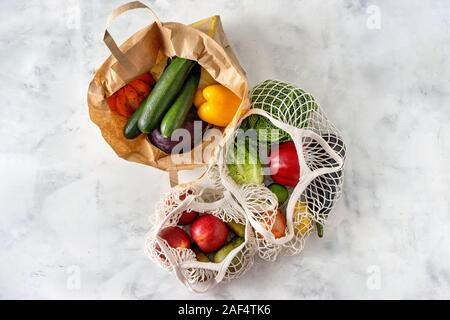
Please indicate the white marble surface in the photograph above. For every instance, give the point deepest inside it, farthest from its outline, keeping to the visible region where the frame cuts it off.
(69, 207)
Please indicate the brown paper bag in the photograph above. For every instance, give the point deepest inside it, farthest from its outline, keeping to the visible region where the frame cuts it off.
(203, 41)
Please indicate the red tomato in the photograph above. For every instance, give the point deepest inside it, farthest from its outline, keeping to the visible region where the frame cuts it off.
(142, 88)
(123, 106)
(128, 99)
(147, 78)
(132, 97)
(112, 103)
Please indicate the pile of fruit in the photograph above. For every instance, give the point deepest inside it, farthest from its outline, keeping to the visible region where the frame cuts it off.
(201, 235)
(210, 238)
(207, 235)
(159, 108)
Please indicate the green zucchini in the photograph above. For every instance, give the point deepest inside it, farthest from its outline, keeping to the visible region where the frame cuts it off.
(319, 228)
(177, 113)
(164, 93)
(131, 129)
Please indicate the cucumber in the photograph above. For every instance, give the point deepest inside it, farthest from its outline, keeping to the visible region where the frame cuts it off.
(131, 129)
(163, 94)
(177, 113)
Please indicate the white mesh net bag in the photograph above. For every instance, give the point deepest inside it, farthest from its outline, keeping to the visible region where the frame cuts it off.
(198, 271)
(290, 123)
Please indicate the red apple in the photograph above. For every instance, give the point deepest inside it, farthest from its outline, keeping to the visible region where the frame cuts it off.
(175, 237)
(187, 217)
(168, 201)
(183, 195)
(209, 233)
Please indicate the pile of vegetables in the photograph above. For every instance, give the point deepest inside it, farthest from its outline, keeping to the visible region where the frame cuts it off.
(244, 166)
(166, 107)
(208, 236)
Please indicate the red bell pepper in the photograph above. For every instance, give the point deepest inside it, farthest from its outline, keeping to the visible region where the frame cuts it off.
(284, 165)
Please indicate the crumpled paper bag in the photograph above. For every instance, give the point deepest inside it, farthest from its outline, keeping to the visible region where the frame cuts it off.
(204, 41)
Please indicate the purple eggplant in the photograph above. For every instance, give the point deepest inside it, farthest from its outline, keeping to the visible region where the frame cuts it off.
(186, 139)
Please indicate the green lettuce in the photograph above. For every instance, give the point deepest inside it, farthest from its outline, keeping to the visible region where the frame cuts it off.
(243, 165)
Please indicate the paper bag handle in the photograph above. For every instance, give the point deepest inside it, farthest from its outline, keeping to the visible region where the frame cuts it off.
(108, 39)
(173, 177)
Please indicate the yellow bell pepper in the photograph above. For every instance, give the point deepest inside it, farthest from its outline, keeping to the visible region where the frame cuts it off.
(198, 98)
(302, 223)
(220, 105)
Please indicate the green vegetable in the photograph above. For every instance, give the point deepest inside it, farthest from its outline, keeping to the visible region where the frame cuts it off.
(319, 228)
(243, 165)
(237, 228)
(280, 191)
(177, 113)
(265, 130)
(164, 93)
(131, 129)
(284, 101)
(225, 250)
